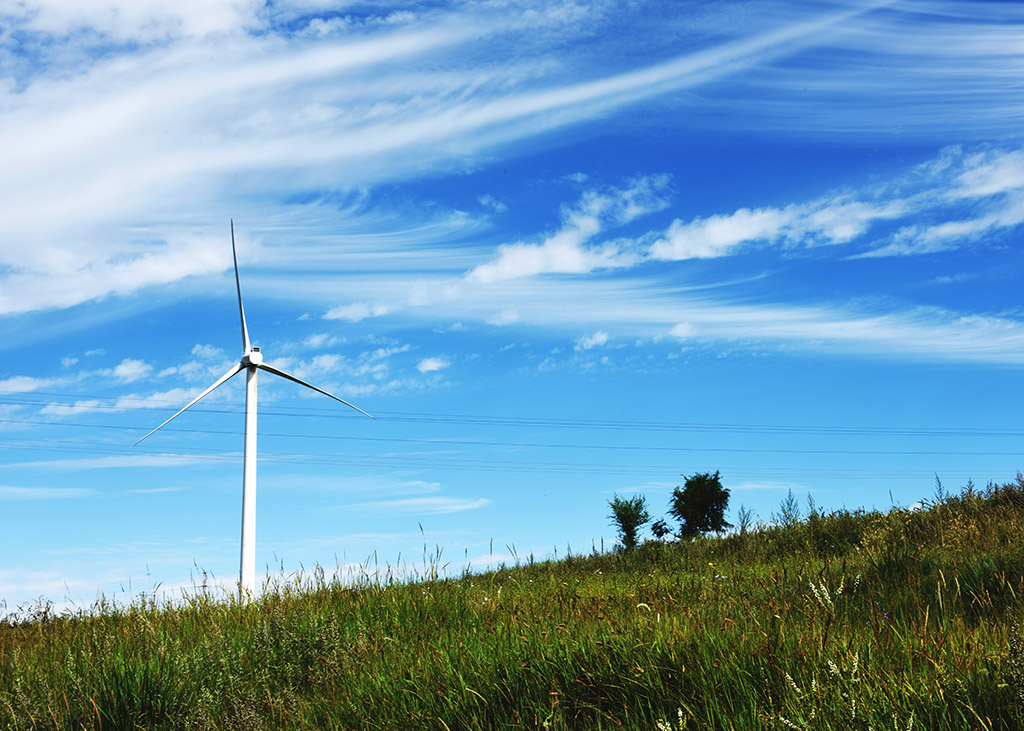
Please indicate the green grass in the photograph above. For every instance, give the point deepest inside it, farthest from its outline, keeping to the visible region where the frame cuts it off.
(850, 620)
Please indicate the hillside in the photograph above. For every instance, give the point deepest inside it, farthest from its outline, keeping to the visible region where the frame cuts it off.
(851, 620)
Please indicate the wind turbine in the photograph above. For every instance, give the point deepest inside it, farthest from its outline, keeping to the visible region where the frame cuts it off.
(251, 362)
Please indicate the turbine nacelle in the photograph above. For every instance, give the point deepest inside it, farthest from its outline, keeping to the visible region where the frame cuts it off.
(253, 358)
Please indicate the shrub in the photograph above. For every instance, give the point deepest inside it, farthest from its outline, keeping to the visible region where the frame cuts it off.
(627, 516)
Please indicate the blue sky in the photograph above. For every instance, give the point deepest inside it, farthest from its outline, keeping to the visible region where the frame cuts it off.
(561, 250)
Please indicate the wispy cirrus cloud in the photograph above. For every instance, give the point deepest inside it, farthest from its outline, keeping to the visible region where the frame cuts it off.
(834, 220)
(936, 70)
(938, 192)
(44, 493)
(109, 151)
(430, 505)
(358, 311)
(118, 461)
(516, 280)
(132, 145)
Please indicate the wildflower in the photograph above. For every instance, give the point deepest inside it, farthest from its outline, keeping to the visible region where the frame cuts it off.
(663, 725)
(794, 686)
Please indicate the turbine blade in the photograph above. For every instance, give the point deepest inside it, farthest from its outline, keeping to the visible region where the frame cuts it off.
(238, 285)
(234, 369)
(279, 372)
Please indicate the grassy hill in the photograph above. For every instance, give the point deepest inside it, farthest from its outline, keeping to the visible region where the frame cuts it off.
(851, 620)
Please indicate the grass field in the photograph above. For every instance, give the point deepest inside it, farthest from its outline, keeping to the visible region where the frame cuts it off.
(851, 620)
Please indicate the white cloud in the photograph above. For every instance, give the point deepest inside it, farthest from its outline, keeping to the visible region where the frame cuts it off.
(153, 129)
(326, 361)
(990, 173)
(489, 201)
(155, 132)
(683, 330)
(359, 375)
(136, 461)
(174, 399)
(138, 21)
(832, 220)
(207, 352)
(433, 505)
(26, 384)
(562, 253)
(505, 317)
(943, 73)
(566, 251)
(58, 276)
(359, 311)
(130, 370)
(428, 365)
(993, 180)
(586, 342)
(718, 235)
(915, 239)
(841, 219)
(79, 407)
(43, 493)
(319, 340)
(68, 361)
(648, 307)
(953, 278)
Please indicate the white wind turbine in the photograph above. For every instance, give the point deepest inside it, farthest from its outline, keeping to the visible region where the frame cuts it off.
(251, 362)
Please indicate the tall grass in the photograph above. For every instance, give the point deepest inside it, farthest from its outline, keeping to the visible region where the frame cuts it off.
(847, 620)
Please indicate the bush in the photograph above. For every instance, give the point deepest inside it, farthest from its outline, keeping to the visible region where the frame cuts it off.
(627, 516)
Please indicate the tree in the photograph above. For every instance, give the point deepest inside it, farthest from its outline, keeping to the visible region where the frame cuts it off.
(700, 505)
(627, 516)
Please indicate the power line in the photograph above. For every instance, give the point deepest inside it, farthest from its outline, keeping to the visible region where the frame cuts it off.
(466, 464)
(534, 422)
(419, 461)
(534, 445)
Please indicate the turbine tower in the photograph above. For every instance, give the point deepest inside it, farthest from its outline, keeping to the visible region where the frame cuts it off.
(251, 362)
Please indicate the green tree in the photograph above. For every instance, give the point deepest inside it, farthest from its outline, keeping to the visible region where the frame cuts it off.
(700, 505)
(627, 516)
